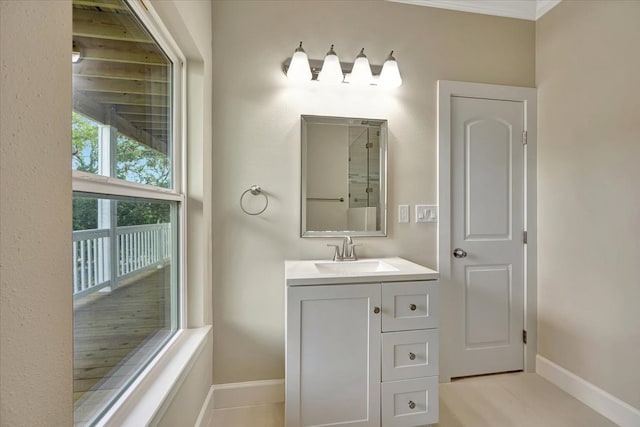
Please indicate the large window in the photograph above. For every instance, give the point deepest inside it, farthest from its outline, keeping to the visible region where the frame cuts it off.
(127, 202)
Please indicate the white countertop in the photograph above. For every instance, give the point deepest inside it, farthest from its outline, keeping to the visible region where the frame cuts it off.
(306, 272)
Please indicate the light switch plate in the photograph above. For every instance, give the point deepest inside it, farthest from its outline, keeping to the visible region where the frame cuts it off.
(403, 213)
(426, 213)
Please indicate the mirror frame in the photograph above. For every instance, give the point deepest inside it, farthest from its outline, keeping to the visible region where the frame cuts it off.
(342, 121)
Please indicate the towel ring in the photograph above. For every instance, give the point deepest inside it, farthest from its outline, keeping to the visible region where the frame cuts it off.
(254, 190)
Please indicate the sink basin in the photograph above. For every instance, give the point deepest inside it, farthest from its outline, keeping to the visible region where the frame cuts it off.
(366, 270)
(353, 267)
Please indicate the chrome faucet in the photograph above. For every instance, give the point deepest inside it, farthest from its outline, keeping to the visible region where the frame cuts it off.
(347, 252)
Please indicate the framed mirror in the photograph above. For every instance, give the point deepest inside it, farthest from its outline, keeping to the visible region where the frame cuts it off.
(344, 174)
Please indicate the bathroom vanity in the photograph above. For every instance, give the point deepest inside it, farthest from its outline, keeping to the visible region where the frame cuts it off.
(361, 343)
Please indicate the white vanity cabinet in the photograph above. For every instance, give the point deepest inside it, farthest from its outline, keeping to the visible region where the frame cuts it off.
(363, 353)
(333, 355)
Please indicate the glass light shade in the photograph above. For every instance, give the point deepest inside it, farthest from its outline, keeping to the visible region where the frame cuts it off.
(361, 72)
(390, 74)
(299, 69)
(331, 71)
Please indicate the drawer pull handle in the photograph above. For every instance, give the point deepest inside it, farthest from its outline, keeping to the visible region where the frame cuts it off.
(412, 307)
(412, 356)
(376, 310)
(412, 405)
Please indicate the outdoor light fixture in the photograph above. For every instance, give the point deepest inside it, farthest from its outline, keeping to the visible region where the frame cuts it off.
(300, 68)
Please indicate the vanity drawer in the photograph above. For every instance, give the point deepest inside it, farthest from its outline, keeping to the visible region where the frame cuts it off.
(409, 354)
(409, 305)
(410, 403)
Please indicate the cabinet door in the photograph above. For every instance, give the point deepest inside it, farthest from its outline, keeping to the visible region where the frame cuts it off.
(333, 356)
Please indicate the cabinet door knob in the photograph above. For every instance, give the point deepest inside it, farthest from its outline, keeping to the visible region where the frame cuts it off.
(412, 356)
(412, 405)
(412, 307)
(376, 310)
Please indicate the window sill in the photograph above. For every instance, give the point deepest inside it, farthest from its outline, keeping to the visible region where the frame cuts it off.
(152, 392)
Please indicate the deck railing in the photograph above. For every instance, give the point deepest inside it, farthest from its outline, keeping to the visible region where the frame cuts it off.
(137, 248)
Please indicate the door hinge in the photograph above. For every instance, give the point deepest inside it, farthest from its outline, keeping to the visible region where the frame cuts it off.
(524, 237)
(524, 336)
(368, 145)
(524, 137)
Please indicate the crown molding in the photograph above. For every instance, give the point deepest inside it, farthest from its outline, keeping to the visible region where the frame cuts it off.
(544, 6)
(521, 9)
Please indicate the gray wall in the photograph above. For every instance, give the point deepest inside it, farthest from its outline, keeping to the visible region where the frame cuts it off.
(257, 141)
(588, 75)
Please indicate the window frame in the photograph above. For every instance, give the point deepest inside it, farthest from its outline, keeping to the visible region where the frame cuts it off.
(84, 182)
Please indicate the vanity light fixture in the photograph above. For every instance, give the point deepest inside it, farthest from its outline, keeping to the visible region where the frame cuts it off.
(75, 53)
(361, 74)
(299, 70)
(331, 71)
(390, 74)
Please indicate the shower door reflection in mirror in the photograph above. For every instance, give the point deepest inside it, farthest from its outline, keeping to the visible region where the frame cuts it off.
(343, 176)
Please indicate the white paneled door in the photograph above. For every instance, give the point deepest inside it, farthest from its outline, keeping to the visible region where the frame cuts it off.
(487, 235)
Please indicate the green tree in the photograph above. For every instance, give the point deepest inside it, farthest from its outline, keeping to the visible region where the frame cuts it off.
(135, 162)
(84, 137)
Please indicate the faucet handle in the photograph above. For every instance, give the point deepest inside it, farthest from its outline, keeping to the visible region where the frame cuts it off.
(353, 254)
(336, 254)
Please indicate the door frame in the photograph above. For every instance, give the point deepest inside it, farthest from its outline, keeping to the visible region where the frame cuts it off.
(446, 90)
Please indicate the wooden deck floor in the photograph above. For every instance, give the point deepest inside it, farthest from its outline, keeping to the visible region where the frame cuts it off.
(113, 333)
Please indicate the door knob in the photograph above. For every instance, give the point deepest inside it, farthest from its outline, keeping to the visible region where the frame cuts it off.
(376, 310)
(459, 253)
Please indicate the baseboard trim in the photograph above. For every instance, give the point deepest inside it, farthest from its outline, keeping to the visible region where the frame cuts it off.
(250, 393)
(597, 399)
(206, 412)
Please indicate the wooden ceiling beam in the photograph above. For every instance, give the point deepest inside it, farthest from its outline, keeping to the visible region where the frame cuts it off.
(119, 51)
(102, 4)
(100, 84)
(139, 135)
(151, 127)
(88, 107)
(119, 70)
(137, 110)
(108, 25)
(149, 121)
(127, 99)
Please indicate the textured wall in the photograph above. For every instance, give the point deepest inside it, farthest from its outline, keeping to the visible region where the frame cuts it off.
(35, 207)
(35, 214)
(257, 141)
(588, 75)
